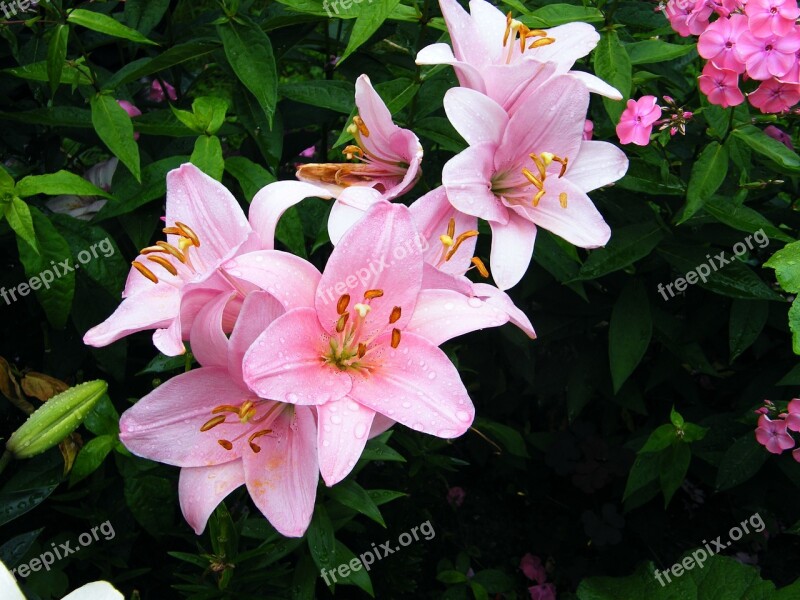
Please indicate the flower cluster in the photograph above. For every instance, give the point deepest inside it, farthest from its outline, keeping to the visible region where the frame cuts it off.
(754, 39)
(773, 434)
(532, 567)
(298, 369)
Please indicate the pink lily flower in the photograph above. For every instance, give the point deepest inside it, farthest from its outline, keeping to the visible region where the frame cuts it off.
(505, 60)
(352, 342)
(772, 435)
(171, 281)
(387, 157)
(721, 86)
(771, 17)
(224, 435)
(86, 207)
(519, 173)
(688, 17)
(769, 57)
(718, 43)
(774, 96)
(158, 93)
(637, 120)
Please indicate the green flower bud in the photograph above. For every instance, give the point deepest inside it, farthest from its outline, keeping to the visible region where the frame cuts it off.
(55, 419)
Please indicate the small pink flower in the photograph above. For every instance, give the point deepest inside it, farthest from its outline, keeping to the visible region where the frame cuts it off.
(721, 86)
(772, 17)
(793, 418)
(132, 112)
(718, 43)
(532, 567)
(785, 139)
(773, 56)
(725, 7)
(588, 130)
(688, 17)
(455, 496)
(637, 120)
(157, 93)
(546, 591)
(308, 152)
(774, 96)
(762, 411)
(772, 435)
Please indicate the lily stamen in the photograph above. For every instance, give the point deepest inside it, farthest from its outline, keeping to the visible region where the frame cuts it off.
(160, 260)
(145, 271)
(481, 267)
(211, 423)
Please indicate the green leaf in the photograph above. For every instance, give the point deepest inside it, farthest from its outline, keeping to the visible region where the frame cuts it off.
(321, 540)
(352, 495)
(105, 24)
(663, 437)
(786, 160)
(163, 364)
(207, 156)
(509, 438)
(12, 551)
(210, 112)
(115, 128)
(143, 15)
(794, 325)
(18, 215)
(358, 576)
(31, 486)
(55, 184)
(38, 71)
(56, 55)
(613, 65)
(153, 501)
(746, 219)
(629, 333)
(249, 53)
(653, 51)
(742, 461)
(91, 457)
(451, 576)
(103, 419)
(251, 176)
(643, 473)
(676, 418)
(627, 245)
(735, 279)
(370, 17)
(194, 50)
(708, 173)
(786, 263)
(289, 232)
(56, 296)
(333, 95)
(554, 14)
(674, 464)
(748, 318)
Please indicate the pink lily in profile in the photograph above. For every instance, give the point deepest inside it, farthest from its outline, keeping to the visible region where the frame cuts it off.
(387, 157)
(224, 435)
(353, 342)
(520, 173)
(505, 60)
(172, 280)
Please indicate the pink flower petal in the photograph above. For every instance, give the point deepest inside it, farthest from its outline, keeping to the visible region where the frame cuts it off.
(201, 489)
(282, 478)
(441, 315)
(597, 164)
(273, 200)
(478, 118)
(258, 312)
(418, 386)
(284, 362)
(467, 177)
(349, 208)
(208, 339)
(343, 426)
(512, 249)
(503, 302)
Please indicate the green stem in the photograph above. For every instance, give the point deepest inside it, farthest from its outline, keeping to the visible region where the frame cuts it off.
(418, 77)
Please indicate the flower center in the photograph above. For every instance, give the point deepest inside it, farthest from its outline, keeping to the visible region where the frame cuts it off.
(348, 349)
(516, 30)
(542, 162)
(451, 243)
(246, 417)
(164, 254)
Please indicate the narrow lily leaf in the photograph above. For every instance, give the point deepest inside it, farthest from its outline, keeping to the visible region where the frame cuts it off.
(55, 184)
(105, 24)
(19, 218)
(115, 128)
(56, 55)
(207, 156)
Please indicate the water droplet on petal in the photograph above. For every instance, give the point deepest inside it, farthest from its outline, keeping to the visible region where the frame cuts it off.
(336, 419)
(417, 426)
(462, 415)
(360, 431)
(475, 302)
(431, 375)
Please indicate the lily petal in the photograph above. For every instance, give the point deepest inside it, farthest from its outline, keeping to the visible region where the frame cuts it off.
(282, 478)
(512, 249)
(209, 342)
(442, 315)
(349, 208)
(201, 489)
(97, 590)
(341, 436)
(8, 585)
(284, 362)
(478, 118)
(502, 301)
(424, 392)
(273, 200)
(258, 312)
(596, 85)
(467, 178)
(597, 164)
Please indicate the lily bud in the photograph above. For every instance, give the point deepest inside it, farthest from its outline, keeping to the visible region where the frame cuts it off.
(55, 419)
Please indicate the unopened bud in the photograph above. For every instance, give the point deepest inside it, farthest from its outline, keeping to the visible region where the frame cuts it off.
(55, 419)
